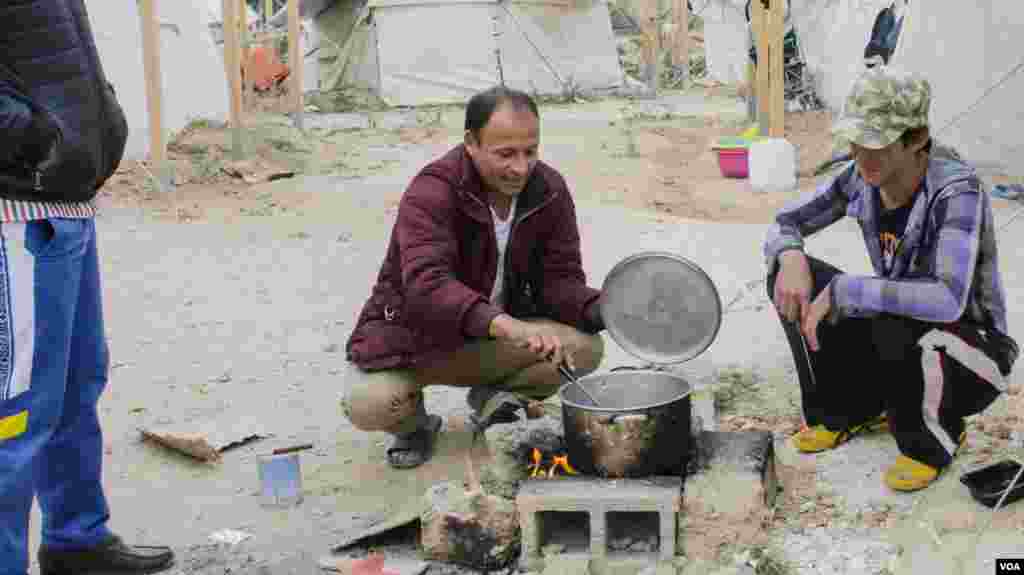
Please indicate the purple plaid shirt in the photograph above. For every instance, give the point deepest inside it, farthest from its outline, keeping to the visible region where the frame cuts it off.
(947, 266)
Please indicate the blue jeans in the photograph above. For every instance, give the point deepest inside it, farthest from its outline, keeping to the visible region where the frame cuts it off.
(53, 369)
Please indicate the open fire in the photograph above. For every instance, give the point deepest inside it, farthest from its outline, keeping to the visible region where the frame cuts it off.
(539, 469)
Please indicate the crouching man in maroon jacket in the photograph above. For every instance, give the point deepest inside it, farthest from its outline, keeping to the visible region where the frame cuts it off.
(482, 286)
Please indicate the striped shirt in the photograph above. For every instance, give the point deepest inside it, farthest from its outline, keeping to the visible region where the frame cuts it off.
(21, 211)
(947, 266)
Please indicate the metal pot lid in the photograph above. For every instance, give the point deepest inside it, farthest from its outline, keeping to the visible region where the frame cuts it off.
(660, 307)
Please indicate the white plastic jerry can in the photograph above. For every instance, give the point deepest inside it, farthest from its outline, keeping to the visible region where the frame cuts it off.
(773, 165)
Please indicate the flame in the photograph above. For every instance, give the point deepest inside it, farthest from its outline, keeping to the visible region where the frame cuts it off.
(563, 462)
(535, 468)
(557, 462)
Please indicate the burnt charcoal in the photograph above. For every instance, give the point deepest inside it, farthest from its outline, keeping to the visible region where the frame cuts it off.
(472, 528)
(620, 544)
(547, 442)
(751, 450)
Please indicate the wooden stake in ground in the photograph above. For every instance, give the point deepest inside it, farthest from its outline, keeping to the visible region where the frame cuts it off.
(295, 60)
(248, 89)
(777, 99)
(759, 26)
(681, 36)
(647, 14)
(154, 93)
(233, 66)
(768, 24)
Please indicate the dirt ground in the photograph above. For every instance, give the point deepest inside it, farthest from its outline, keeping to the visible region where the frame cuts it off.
(630, 158)
(671, 168)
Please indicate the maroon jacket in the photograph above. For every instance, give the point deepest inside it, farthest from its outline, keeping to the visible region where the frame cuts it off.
(442, 258)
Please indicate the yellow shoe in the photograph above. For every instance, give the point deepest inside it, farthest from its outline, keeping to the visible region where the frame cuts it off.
(910, 474)
(818, 438)
(815, 439)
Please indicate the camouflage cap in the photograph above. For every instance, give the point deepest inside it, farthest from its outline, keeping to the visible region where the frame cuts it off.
(883, 103)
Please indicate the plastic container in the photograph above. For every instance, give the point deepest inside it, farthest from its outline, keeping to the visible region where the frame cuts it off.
(281, 480)
(733, 162)
(987, 484)
(772, 165)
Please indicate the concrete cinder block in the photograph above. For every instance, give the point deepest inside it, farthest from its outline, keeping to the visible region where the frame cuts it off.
(729, 492)
(575, 514)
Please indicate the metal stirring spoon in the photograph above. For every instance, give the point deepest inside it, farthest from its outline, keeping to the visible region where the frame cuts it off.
(567, 373)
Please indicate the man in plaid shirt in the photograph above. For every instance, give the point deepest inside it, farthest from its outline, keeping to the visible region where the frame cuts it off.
(923, 342)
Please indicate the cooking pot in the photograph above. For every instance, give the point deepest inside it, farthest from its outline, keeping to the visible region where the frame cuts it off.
(635, 421)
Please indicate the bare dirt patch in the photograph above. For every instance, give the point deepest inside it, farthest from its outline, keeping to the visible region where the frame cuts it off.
(684, 178)
(668, 168)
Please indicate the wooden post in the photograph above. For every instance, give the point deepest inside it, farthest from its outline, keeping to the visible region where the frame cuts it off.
(681, 36)
(768, 26)
(248, 84)
(295, 61)
(154, 93)
(777, 98)
(759, 25)
(647, 13)
(233, 67)
(268, 11)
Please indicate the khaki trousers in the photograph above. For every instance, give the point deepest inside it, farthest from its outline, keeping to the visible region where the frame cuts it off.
(388, 400)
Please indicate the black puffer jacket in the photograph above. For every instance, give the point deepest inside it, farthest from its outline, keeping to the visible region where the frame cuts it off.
(62, 131)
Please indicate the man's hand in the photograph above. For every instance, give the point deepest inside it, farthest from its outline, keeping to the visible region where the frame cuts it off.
(813, 315)
(792, 285)
(536, 337)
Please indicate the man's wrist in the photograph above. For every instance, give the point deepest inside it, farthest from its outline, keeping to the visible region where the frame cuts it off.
(790, 253)
(498, 327)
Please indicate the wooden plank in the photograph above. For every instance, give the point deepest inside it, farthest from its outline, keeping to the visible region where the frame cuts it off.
(681, 36)
(233, 65)
(777, 99)
(295, 59)
(154, 92)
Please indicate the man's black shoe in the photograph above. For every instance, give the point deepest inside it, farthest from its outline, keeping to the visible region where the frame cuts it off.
(111, 556)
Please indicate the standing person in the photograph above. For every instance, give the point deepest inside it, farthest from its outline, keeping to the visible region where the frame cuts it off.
(63, 136)
(482, 286)
(923, 342)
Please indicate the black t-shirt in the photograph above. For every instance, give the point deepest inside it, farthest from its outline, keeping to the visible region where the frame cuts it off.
(891, 226)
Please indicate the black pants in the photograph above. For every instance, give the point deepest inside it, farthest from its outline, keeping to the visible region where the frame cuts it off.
(926, 377)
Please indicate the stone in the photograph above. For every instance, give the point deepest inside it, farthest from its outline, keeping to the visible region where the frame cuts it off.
(728, 493)
(510, 445)
(470, 528)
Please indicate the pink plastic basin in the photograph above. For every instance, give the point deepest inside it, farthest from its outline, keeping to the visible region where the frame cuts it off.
(733, 162)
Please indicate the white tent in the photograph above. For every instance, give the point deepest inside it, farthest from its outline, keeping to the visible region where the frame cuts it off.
(963, 50)
(194, 84)
(966, 53)
(413, 52)
(831, 33)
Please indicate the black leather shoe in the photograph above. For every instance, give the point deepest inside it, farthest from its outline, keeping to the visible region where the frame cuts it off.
(110, 557)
